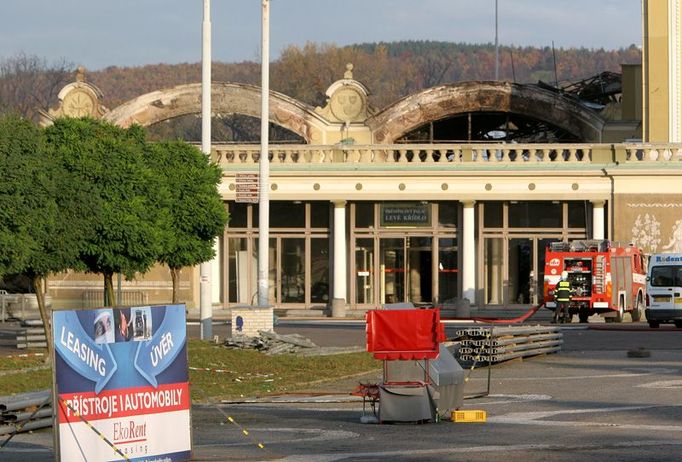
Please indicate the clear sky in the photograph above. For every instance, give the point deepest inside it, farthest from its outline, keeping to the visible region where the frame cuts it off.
(99, 33)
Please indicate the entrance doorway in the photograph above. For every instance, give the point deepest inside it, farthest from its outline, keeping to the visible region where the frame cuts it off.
(405, 269)
(521, 270)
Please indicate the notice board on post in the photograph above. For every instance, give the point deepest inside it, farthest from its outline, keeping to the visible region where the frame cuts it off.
(121, 384)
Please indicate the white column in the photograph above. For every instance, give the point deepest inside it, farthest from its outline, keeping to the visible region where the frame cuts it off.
(469, 253)
(340, 268)
(598, 219)
(205, 269)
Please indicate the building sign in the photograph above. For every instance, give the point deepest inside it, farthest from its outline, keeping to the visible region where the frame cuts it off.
(414, 214)
(121, 384)
(247, 185)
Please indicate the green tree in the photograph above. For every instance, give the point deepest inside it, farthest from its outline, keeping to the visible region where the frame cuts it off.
(125, 215)
(41, 224)
(19, 144)
(197, 213)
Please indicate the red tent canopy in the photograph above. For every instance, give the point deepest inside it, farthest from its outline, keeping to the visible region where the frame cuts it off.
(404, 334)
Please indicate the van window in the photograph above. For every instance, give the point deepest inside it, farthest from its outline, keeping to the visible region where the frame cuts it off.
(666, 276)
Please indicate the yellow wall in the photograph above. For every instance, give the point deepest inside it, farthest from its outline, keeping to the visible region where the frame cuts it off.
(632, 92)
(656, 85)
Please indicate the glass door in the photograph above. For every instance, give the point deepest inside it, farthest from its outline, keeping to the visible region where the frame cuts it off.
(419, 269)
(392, 270)
(293, 270)
(364, 271)
(448, 270)
(520, 270)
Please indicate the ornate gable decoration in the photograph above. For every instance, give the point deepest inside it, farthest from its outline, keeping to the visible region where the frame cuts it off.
(347, 100)
(77, 99)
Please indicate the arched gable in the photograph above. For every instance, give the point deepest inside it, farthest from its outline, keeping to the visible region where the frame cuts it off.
(227, 98)
(449, 100)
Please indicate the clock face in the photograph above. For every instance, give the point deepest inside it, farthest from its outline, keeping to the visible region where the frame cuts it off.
(78, 104)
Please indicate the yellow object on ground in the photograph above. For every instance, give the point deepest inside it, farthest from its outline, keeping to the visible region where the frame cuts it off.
(469, 416)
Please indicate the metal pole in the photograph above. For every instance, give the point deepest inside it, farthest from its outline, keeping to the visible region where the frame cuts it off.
(264, 162)
(205, 292)
(497, 48)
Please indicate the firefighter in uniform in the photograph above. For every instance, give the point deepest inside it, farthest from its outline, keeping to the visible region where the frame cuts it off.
(562, 297)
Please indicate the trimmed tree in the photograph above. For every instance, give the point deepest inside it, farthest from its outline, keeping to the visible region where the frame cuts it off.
(197, 214)
(39, 207)
(19, 145)
(125, 219)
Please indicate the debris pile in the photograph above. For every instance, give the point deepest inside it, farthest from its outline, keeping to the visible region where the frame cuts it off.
(272, 343)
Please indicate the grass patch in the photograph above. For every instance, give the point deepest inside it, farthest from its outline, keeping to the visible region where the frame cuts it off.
(249, 373)
(252, 373)
(17, 362)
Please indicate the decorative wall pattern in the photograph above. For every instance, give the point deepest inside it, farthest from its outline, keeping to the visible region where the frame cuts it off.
(651, 222)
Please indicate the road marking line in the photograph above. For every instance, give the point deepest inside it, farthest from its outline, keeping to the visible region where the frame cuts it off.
(674, 384)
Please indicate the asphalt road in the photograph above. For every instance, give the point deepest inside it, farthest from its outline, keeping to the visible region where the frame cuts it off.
(589, 402)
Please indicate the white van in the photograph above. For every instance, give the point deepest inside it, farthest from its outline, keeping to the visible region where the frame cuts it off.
(664, 289)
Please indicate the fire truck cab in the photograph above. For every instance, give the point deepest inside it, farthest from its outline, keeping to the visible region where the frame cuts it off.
(607, 278)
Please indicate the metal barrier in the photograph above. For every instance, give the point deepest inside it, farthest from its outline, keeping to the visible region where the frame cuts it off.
(3, 304)
(95, 298)
(497, 344)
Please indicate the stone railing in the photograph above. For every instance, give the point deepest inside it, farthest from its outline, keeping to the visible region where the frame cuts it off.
(649, 152)
(427, 154)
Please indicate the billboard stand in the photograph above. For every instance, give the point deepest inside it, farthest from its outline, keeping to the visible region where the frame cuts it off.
(121, 384)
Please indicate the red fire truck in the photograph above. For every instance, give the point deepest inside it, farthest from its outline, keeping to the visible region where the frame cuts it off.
(607, 278)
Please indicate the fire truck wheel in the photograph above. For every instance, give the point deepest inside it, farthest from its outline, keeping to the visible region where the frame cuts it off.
(678, 324)
(619, 314)
(583, 315)
(653, 324)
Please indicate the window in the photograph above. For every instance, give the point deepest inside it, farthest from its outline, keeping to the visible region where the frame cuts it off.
(577, 215)
(319, 214)
(238, 215)
(492, 215)
(535, 215)
(364, 215)
(666, 276)
(287, 215)
(447, 214)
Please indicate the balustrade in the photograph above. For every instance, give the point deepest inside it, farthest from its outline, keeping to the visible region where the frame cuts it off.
(449, 154)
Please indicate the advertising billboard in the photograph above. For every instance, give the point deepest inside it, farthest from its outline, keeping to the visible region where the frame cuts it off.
(121, 384)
